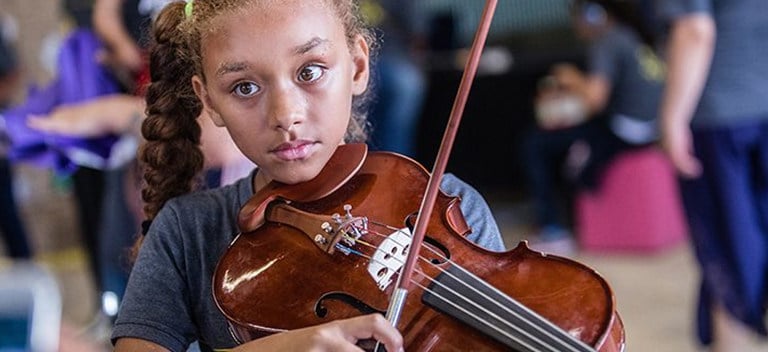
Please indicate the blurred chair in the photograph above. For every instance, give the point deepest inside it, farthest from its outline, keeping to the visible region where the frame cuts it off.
(636, 208)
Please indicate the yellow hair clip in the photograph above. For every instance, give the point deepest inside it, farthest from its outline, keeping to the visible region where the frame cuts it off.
(188, 8)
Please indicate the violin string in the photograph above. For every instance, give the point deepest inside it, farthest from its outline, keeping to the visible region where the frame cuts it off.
(501, 305)
(457, 306)
(464, 310)
(498, 329)
(558, 339)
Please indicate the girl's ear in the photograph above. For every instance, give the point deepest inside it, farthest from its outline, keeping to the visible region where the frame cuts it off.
(202, 94)
(361, 65)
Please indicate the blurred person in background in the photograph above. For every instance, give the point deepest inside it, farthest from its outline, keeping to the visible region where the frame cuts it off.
(91, 82)
(122, 26)
(398, 78)
(11, 226)
(587, 117)
(714, 119)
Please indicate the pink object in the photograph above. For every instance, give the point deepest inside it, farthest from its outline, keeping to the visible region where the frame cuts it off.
(636, 207)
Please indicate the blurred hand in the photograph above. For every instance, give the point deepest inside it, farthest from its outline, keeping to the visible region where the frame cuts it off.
(568, 76)
(104, 115)
(124, 61)
(126, 56)
(677, 142)
(71, 341)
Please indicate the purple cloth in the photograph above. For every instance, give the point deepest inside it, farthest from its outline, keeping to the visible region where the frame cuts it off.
(79, 78)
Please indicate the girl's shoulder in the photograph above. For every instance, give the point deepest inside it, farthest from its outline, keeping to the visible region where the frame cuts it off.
(452, 185)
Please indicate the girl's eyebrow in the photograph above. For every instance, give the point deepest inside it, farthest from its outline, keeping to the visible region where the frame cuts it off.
(302, 49)
(311, 44)
(231, 67)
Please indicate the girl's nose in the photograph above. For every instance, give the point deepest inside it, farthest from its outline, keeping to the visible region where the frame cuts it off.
(285, 108)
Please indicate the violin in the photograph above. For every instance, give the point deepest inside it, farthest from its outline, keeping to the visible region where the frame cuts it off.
(307, 258)
(348, 242)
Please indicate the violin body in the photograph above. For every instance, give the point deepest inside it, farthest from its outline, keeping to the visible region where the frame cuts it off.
(290, 269)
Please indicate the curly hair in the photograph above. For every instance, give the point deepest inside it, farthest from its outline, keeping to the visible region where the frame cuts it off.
(171, 156)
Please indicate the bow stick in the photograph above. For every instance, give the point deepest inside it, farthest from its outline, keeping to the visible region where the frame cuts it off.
(397, 302)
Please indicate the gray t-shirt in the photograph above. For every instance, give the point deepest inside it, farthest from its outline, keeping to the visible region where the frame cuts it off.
(169, 299)
(635, 73)
(737, 86)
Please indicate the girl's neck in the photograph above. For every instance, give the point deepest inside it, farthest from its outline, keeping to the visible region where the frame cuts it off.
(259, 181)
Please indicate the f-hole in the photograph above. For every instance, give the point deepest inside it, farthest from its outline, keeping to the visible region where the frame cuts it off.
(437, 253)
(322, 311)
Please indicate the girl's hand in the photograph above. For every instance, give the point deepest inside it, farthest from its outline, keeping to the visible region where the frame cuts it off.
(677, 142)
(340, 335)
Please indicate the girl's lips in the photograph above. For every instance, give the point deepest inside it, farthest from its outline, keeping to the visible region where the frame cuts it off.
(293, 151)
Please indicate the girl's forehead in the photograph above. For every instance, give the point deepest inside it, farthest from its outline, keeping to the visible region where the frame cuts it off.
(272, 12)
(283, 31)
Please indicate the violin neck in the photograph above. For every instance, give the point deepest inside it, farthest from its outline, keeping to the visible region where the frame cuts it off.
(463, 296)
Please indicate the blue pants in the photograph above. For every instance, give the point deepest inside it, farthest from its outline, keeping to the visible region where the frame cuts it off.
(10, 224)
(400, 89)
(544, 152)
(727, 210)
(88, 188)
(117, 231)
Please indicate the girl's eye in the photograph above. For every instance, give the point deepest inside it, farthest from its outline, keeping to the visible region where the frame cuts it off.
(311, 73)
(246, 89)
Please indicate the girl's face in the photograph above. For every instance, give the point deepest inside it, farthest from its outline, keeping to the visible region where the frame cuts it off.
(280, 76)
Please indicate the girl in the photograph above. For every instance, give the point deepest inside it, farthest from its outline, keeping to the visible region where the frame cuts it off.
(286, 79)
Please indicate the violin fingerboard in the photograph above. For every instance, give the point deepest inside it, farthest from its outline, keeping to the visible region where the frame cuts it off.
(463, 296)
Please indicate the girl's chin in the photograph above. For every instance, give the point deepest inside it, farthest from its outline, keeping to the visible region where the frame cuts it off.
(296, 175)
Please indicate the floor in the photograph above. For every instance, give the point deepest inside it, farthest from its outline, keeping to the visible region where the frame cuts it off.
(654, 291)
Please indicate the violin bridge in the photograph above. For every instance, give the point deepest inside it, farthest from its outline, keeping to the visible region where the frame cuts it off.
(389, 257)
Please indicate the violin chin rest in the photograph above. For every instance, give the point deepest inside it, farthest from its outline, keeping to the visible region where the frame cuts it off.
(345, 162)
